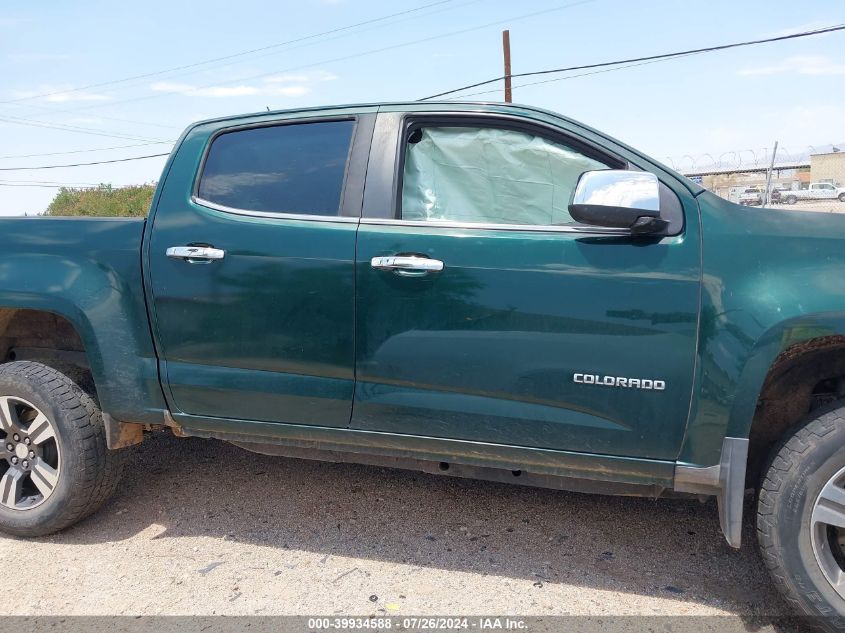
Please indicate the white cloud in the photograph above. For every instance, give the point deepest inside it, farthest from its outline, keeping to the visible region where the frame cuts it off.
(189, 90)
(60, 94)
(815, 65)
(320, 75)
(206, 91)
(814, 25)
(64, 97)
(278, 79)
(284, 85)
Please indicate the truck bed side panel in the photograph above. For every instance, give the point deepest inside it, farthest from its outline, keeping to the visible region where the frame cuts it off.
(88, 271)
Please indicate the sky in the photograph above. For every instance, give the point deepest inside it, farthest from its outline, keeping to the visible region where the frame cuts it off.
(91, 80)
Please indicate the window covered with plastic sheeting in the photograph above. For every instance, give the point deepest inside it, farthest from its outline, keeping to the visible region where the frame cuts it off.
(489, 175)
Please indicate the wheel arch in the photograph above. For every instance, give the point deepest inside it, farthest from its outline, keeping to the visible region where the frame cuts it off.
(796, 354)
(804, 344)
(65, 340)
(803, 377)
(107, 341)
(56, 335)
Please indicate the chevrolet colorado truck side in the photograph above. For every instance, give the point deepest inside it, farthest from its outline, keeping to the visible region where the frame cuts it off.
(476, 290)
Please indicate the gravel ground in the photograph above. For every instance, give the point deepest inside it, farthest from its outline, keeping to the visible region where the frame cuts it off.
(202, 527)
(828, 206)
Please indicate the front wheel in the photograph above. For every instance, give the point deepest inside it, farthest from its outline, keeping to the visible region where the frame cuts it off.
(842, 197)
(55, 468)
(801, 517)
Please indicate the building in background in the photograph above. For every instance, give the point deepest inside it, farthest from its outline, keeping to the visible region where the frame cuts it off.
(828, 167)
(821, 167)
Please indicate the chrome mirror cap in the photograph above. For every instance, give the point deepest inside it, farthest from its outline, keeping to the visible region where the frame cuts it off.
(618, 188)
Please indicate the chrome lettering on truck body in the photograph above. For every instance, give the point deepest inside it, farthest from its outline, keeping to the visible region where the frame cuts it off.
(619, 381)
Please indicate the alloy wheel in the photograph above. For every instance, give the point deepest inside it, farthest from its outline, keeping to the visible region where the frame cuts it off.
(31, 454)
(827, 531)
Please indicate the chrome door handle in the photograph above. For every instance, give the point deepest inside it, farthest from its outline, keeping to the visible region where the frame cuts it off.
(195, 253)
(407, 265)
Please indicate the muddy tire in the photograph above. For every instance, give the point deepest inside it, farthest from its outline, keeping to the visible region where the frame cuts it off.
(801, 518)
(55, 468)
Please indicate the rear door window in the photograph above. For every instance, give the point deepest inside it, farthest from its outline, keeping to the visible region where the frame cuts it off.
(287, 169)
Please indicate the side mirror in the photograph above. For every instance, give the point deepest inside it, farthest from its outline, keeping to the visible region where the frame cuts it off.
(619, 199)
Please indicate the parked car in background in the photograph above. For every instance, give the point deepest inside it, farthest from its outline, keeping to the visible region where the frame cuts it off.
(473, 290)
(816, 191)
(751, 197)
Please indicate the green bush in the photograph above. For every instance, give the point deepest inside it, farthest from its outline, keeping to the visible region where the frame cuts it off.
(103, 201)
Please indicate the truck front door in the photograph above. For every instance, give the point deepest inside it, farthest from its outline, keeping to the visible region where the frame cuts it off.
(251, 268)
(524, 334)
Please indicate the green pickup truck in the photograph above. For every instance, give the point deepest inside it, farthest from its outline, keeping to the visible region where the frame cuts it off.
(476, 290)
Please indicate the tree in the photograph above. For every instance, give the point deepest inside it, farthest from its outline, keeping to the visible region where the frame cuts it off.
(103, 201)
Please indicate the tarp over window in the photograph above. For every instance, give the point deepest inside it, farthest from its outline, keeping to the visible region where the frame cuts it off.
(490, 175)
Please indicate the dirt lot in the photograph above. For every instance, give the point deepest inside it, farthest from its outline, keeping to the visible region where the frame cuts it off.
(202, 527)
(828, 206)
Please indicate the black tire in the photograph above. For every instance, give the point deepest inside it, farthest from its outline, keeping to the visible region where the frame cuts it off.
(798, 470)
(791, 199)
(89, 471)
(842, 197)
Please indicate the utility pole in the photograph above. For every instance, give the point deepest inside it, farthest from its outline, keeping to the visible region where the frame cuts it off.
(506, 49)
(767, 193)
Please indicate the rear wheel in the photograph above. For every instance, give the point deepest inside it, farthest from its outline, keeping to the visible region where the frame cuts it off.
(55, 468)
(791, 199)
(801, 517)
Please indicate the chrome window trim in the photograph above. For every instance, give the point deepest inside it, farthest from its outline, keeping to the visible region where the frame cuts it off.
(392, 128)
(536, 228)
(273, 215)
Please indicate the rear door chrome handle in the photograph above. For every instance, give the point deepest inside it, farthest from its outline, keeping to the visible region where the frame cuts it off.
(407, 265)
(195, 253)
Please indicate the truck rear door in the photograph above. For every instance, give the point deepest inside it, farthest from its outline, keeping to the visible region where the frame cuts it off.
(251, 268)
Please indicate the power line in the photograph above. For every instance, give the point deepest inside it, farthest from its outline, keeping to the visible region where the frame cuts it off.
(51, 111)
(340, 59)
(608, 67)
(226, 57)
(6, 184)
(63, 185)
(708, 49)
(99, 162)
(548, 81)
(72, 128)
(48, 110)
(85, 151)
(49, 182)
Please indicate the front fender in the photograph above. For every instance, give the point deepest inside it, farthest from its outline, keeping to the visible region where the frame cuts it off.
(771, 279)
(769, 346)
(88, 271)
